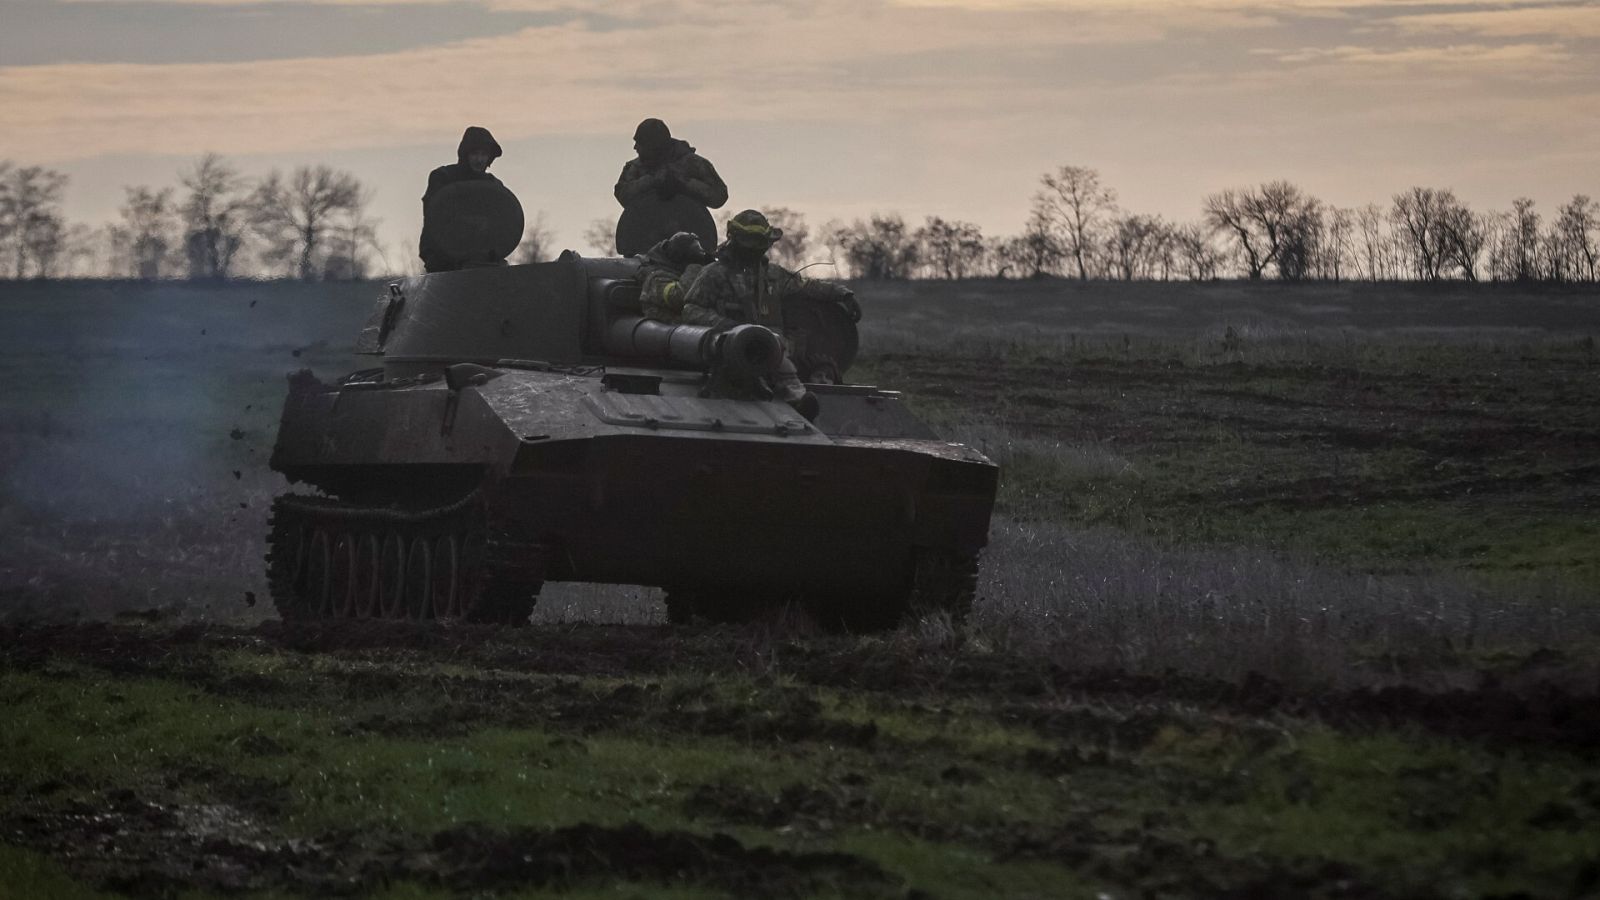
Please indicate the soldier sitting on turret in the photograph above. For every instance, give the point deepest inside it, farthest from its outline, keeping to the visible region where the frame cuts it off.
(477, 151)
(742, 286)
(669, 268)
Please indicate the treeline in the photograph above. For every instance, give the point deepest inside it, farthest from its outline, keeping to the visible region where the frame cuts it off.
(1275, 230)
(312, 223)
(308, 223)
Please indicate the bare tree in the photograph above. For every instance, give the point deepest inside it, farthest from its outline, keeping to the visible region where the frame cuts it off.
(950, 249)
(879, 248)
(1575, 225)
(80, 255)
(1077, 207)
(46, 243)
(1553, 255)
(1036, 252)
(601, 237)
(1464, 234)
(1304, 232)
(1134, 246)
(144, 239)
(1419, 215)
(351, 241)
(538, 242)
(216, 213)
(1262, 222)
(1375, 245)
(1201, 259)
(1338, 228)
(1438, 233)
(31, 224)
(295, 215)
(791, 251)
(1524, 234)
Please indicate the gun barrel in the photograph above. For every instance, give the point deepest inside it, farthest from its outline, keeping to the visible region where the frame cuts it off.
(640, 337)
(749, 350)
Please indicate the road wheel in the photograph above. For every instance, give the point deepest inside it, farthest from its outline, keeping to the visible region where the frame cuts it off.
(445, 587)
(287, 548)
(318, 588)
(364, 586)
(342, 577)
(419, 579)
(392, 577)
(469, 590)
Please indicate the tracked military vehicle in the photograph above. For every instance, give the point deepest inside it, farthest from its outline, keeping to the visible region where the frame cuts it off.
(527, 425)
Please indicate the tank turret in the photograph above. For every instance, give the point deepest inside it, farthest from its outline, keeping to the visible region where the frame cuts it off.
(526, 424)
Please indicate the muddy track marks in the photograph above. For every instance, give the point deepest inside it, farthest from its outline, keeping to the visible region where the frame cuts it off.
(146, 848)
(1530, 711)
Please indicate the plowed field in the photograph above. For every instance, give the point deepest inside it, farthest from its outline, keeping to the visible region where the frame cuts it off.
(154, 759)
(1292, 592)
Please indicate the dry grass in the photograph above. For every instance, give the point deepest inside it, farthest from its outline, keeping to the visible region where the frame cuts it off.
(1103, 598)
(109, 505)
(108, 537)
(1247, 341)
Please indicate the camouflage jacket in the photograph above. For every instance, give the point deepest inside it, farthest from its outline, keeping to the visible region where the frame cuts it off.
(730, 292)
(663, 288)
(694, 173)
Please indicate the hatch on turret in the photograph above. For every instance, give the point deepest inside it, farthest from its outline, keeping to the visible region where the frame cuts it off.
(482, 315)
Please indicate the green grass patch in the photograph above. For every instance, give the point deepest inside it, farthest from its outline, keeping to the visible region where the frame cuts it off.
(960, 796)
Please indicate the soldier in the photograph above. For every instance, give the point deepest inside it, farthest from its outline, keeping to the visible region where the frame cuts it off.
(478, 149)
(666, 189)
(742, 286)
(664, 278)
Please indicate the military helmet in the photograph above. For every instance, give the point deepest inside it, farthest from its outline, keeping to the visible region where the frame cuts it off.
(684, 247)
(751, 229)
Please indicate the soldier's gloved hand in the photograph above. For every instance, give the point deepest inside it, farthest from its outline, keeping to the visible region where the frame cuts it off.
(670, 185)
(847, 302)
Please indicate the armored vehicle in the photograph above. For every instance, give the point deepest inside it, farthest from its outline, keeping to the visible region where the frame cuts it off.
(528, 425)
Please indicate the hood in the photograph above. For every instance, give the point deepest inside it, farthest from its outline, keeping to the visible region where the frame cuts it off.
(477, 138)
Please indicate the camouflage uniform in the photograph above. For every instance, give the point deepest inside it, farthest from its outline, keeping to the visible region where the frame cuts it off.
(665, 275)
(741, 287)
(668, 166)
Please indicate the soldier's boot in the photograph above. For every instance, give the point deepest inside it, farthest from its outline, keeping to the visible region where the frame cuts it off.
(787, 386)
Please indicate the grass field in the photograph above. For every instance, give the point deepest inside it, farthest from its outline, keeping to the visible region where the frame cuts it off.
(1292, 591)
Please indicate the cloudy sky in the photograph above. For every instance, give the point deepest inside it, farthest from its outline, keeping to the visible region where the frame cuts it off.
(837, 108)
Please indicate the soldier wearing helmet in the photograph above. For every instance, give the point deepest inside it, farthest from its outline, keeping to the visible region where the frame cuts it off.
(742, 286)
(665, 274)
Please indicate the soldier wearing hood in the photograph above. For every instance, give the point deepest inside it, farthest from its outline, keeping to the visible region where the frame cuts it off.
(667, 167)
(476, 152)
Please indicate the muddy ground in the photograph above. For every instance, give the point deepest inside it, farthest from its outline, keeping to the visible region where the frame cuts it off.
(150, 759)
(1292, 594)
